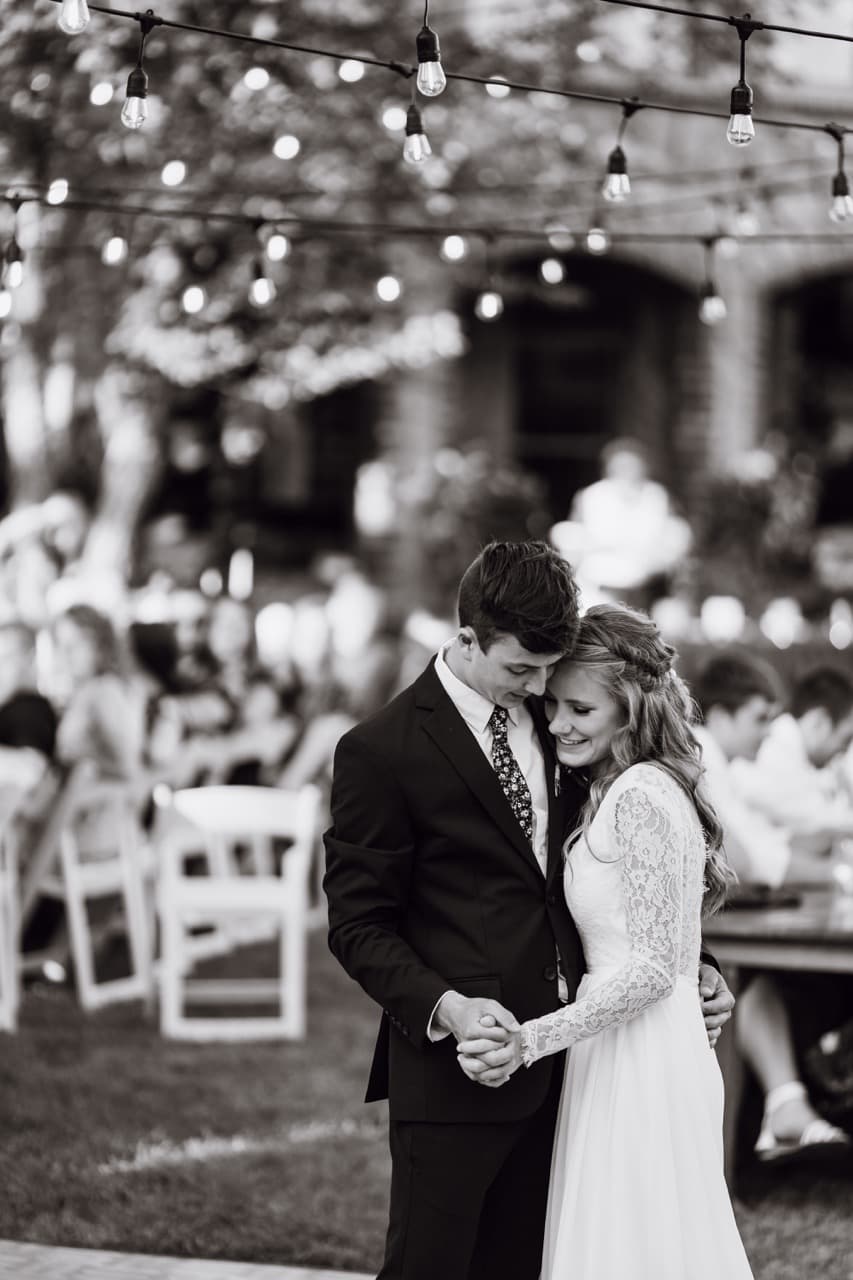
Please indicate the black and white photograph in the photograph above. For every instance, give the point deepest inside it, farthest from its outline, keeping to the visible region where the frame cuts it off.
(426, 640)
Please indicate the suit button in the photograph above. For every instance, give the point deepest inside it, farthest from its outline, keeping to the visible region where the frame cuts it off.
(549, 973)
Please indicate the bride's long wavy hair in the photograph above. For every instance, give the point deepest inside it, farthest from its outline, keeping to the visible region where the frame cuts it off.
(625, 652)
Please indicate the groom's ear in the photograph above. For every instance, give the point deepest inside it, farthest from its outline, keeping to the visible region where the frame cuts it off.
(466, 638)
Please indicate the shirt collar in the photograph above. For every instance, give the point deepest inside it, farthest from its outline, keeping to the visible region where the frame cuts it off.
(475, 710)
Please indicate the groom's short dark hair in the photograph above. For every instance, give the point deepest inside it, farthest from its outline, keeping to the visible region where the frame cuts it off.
(522, 589)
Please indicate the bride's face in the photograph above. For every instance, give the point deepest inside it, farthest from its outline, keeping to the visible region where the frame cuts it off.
(583, 718)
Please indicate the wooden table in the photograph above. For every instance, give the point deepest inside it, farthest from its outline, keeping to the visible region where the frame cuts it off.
(816, 935)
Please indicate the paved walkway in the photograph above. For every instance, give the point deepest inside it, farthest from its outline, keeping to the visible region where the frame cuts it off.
(39, 1262)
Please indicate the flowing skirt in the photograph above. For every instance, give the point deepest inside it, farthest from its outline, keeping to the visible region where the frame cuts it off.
(637, 1189)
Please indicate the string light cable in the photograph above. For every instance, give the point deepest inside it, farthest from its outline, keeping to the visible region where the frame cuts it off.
(730, 20)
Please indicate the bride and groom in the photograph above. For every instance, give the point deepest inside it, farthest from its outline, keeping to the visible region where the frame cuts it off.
(519, 855)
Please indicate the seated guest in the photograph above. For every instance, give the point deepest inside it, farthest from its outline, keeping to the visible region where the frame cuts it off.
(102, 719)
(739, 697)
(791, 780)
(27, 719)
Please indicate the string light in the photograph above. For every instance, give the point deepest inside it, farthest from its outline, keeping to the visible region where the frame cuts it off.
(101, 93)
(559, 237)
(597, 240)
(13, 274)
(841, 208)
(741, 130)
(135, 110)
(431, 79)
(5, 303)
(497, 87)
(278, 247)
(617, 184)
(351, 71)
(416, 148)
(712, 308)
(114, 251)
(454, 248)
(286, 147)
(262, 290)
(489, 303)
(193, 299)
(388, 289)
(552, 270)
(73, 17)
(57, 192)
(173, 173)
(256, 79)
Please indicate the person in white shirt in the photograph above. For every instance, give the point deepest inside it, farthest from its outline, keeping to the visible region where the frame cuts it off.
(793, 780)
(739, 698)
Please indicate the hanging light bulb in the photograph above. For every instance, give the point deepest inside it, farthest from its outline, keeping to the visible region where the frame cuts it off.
(841, 208)
(431, 80)
(13, 276)
(597, 240)
(114, 251)
(262, 290)
(552, 270)
(73, 17)
(416, 148)
(617, 184)
(193, 299)
(741, 130)
(278, 247)
(489, 305)
(712, 308)
(135, 110)
(454, 248)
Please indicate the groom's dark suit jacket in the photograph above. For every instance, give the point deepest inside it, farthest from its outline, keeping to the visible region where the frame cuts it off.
(433, 886)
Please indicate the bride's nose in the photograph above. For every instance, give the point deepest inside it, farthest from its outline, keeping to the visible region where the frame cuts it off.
(560, 721)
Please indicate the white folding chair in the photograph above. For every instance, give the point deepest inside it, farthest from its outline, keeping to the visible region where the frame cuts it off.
(102, 854)
(9, 915)
(236, 905)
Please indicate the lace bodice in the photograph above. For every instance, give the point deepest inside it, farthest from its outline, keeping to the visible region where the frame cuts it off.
(634, 886)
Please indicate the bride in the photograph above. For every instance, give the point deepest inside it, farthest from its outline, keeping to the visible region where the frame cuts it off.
(637, 1189)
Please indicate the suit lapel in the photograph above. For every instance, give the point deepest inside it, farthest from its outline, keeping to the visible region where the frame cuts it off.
(454, 739)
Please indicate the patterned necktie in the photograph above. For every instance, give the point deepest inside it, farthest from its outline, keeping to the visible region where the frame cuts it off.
(512, 780)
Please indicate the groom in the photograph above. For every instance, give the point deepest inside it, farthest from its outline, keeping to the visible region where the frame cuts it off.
(444, 881)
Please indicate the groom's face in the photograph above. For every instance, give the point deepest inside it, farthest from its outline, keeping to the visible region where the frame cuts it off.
(506, 673)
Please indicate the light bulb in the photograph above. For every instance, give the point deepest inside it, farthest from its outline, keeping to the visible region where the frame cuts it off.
(286, 147)
(431, 79)
(712, 308)
(489, 305)
(262, 290)
(278, 247)
(416, 148)
(14, 274)
(841, 208)
(559, 237)
(57, 192)
(552, 271)
(135, 110)
(193, 299)
(597, 240)
(741, 130)
(73, 17)
(5, 303)
(617, 184)
(454, 248)
(114, 251)
(388, 289)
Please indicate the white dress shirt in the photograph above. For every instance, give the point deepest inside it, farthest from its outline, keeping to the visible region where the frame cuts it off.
(758, 851)
(787, 788)
(524, 743)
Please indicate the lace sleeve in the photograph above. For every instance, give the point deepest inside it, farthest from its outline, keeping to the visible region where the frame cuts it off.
(650, 862)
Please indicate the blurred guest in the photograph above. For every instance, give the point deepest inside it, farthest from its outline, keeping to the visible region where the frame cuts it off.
(27, 719)
(739, 698)
(102, 720)
(622, 536)
(792, 780)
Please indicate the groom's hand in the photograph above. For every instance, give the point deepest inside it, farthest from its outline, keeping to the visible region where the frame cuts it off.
(474, 1018)
(717, 1001)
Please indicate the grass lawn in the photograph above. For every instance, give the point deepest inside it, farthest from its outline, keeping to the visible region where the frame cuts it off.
(112, 1138)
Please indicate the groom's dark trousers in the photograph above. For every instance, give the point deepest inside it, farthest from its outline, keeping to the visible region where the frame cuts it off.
(432, 886)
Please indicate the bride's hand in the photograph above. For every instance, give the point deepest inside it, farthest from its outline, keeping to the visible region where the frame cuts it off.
(485, 1063)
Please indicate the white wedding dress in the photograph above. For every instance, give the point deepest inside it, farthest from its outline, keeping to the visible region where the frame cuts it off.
(637, 1189)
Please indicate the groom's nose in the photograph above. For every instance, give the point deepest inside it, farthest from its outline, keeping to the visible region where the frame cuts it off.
(536, 682)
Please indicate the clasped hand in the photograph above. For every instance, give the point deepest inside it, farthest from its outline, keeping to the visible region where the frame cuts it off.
(493, 1052)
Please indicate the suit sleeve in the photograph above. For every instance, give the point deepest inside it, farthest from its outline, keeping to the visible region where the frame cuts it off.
(370, 857)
